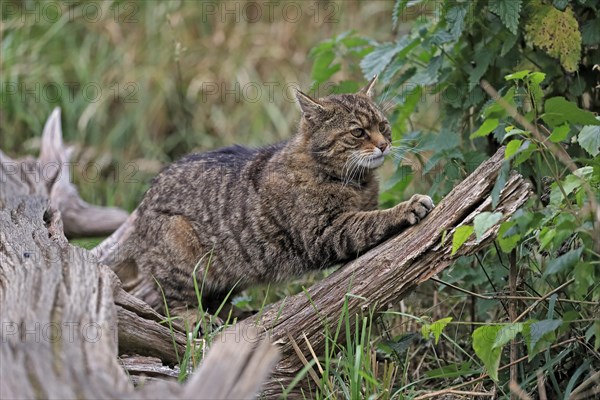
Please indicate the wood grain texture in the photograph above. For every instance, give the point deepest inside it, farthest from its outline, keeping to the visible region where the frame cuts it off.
(64, 317)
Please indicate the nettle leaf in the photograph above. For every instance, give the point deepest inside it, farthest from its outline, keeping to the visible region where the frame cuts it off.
(589, 139)
(559, 133)
(484, 338)
(539, 335)
(455, 19)
(435, 328)
(430, 74)
(488, 126)
(558, 111)
(557, 33)
(565, 262)
(376, 61)
(508, 11)
(461, 234)
(485, 221)
(590, 32)
(511, 148)
(507, 333)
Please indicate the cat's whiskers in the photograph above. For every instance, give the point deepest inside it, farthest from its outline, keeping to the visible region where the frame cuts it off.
(350, 166)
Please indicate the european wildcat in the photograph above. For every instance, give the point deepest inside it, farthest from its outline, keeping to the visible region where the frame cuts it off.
(265, 215)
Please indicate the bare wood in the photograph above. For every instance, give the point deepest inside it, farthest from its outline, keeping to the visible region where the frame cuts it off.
(60, 325)
(50, 176)
(62, 313)
(388, 272)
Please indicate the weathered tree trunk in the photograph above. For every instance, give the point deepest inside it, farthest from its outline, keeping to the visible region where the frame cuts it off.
(48, 287)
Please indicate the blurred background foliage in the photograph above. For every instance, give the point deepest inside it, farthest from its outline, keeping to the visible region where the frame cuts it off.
(143, 83)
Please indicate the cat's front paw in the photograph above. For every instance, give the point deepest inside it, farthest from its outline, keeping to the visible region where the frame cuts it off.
(418, 207)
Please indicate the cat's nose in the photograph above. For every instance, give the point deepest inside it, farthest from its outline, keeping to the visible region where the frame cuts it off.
(382, 146)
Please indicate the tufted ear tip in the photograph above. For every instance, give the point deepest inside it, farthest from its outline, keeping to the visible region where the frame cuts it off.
(369, 89)
(307, 104)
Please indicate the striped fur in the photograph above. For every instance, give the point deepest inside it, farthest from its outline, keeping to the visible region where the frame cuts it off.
(240, 216)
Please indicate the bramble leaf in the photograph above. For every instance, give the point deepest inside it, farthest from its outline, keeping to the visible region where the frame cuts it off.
(508, 11)
(557, 33)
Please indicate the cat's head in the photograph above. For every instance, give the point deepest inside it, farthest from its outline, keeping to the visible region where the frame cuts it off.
(346, 133)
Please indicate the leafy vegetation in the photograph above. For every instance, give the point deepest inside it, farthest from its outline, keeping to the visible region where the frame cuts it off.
(523, 74)
(459, 79)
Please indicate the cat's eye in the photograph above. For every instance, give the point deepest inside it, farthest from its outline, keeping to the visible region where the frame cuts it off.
(382, 127)
(358, 132)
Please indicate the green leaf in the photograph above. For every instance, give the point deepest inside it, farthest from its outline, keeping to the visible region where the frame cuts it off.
(560, 4)
(565, 262)
(485, 221)
(590, 32)
(461, 234)
(585, 277)
(455, 19)
(322, 69)
(592, 331)
(488, 125)
(500, 182)
(559, 133)
(376, 61)
(436, 328)
(452, 371)
(507, 242)
(430, 74)
(589, 139)
(507, 333)
(484, 338)
(508, 11)
(517, 75)
(559, 111)
(569, 184)
(511, 148)
(539, 335)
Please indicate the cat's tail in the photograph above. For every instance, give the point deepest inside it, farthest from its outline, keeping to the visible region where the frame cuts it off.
(116, 249)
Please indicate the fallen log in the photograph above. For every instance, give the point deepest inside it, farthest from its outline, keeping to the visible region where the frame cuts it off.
(386, 273)
(64, 317)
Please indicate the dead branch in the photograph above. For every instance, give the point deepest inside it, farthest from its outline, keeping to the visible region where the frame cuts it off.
(50, 176)
(386, 273)
(64, 317)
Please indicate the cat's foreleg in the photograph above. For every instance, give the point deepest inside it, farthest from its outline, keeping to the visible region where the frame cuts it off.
(355, 232)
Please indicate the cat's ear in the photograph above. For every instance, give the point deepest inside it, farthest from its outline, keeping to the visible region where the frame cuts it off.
(368, 90)
(310, 107)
